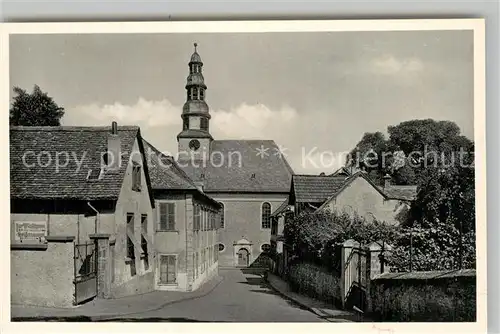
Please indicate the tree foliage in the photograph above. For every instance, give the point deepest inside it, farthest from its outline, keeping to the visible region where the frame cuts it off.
(412, 146)
(440, 247)
(34, 109)
(315, 237)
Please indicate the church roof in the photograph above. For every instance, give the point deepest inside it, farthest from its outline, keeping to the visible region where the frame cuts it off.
(238, 166)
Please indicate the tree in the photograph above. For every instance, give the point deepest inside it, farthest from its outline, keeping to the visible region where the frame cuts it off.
(35, 109)
(411, 148)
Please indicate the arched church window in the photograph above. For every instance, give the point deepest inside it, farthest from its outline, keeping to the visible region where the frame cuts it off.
(202, 94)
(194, 93)
(266, 215)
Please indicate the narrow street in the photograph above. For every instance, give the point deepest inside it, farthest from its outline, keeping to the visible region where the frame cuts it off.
(242, 296)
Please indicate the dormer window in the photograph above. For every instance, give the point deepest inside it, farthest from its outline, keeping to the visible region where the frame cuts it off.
(94, 174)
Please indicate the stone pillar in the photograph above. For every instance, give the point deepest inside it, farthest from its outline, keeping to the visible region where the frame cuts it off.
(104, 265)
(347, 247)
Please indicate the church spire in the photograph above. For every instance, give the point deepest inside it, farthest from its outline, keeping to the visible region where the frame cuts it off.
(195, 113)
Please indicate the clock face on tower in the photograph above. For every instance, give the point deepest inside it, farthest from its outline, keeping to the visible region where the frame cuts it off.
(194, 144)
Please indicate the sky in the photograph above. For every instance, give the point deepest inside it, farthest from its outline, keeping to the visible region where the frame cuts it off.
(314, 93)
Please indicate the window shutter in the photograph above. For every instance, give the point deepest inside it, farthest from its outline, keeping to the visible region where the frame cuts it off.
(171, 216)
(163, 216)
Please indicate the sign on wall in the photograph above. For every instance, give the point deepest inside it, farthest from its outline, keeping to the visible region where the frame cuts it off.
(30, 232)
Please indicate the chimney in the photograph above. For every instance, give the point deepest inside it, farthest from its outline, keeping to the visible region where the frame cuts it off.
(387, 181)
(114, 148)
(114, 128)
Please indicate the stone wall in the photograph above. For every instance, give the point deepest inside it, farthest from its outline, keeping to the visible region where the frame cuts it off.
(441, 296)
(43, 276)
(316, 282)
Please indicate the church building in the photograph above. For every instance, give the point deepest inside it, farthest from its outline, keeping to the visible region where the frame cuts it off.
(250, 178)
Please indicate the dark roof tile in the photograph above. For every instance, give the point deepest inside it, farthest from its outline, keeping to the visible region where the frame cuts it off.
(239, 167)
(47, 180)
(314, 188)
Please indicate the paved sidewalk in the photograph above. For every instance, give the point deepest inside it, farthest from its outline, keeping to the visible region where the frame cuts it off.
(326, 311)
(101, 309)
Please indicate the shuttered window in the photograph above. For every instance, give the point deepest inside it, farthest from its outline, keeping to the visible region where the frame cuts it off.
(168, 270)
(197, 218)
(167, 217)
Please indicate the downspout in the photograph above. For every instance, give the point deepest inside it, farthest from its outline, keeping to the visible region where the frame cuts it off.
(96, 217)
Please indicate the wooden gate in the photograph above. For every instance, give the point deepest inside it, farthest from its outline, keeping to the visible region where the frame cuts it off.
(354, 276)
(85, 272)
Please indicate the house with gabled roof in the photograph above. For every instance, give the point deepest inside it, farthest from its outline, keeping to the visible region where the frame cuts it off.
(186, 226)
(360, 195)
(355, 193)
(250, 178)
(309, 192)
(81, 214)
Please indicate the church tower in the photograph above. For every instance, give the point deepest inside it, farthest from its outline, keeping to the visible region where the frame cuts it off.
(194, 139)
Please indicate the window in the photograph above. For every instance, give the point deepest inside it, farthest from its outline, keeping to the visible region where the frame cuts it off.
(202, 94)
(168, 273)
(221, 217)
(197, 218)
(266, 215)
(204, 123)
(216, 253)
(130, 231)
(194, 93)
(185, 125)
(144, 232)
(167, 217)
(265, 248)
(136, 177)
(221, 247)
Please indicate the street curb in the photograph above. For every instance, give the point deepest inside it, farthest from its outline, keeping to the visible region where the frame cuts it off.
(84, 318)
(307, 307)
(202, 294)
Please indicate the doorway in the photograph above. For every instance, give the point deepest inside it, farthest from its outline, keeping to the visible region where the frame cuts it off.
(243, 257)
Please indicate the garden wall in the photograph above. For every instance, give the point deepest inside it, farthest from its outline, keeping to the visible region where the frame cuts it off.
(315, 281)
(444, 296)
